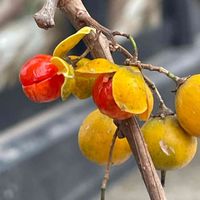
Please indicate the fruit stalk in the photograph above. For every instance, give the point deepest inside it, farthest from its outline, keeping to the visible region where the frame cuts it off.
(74, 9)
(163, 109)
(107, 171)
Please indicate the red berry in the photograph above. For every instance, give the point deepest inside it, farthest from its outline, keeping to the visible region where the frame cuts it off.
(40, 80)
(103, 98)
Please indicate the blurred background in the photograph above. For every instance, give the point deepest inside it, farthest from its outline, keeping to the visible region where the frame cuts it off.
(39, 156)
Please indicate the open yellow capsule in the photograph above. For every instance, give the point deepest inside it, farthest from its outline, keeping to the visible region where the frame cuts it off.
(95, 67)
(68, 72)
(129, 90)
(69, 43)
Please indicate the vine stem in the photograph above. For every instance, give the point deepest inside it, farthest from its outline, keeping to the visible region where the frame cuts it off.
(75, 10)
(109, 163)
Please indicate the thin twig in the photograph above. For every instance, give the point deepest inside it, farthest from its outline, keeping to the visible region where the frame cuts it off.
(159, 69)
(152, 85)
(107, 170)
(83, 55)
(45, 17)
(163, 177)
(163, 109)
(122, 50)
(134, 57)
(117, 33)
(83, 16)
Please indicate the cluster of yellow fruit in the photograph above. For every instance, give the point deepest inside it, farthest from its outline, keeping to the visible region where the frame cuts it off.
(170, 140)
(119, 92)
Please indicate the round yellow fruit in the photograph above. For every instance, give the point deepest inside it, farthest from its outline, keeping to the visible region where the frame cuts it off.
(187, 105)
(169, 145)
(95, 138)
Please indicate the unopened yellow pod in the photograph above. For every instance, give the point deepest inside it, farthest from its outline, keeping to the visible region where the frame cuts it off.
(95, 67)
(169, 145)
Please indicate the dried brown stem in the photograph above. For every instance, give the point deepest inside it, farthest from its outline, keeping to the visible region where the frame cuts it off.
(45, 17)
(129, 128)
(107, 171)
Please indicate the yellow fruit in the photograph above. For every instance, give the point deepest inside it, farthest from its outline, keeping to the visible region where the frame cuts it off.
(169, 145)
(95, 137)
(187, 105)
